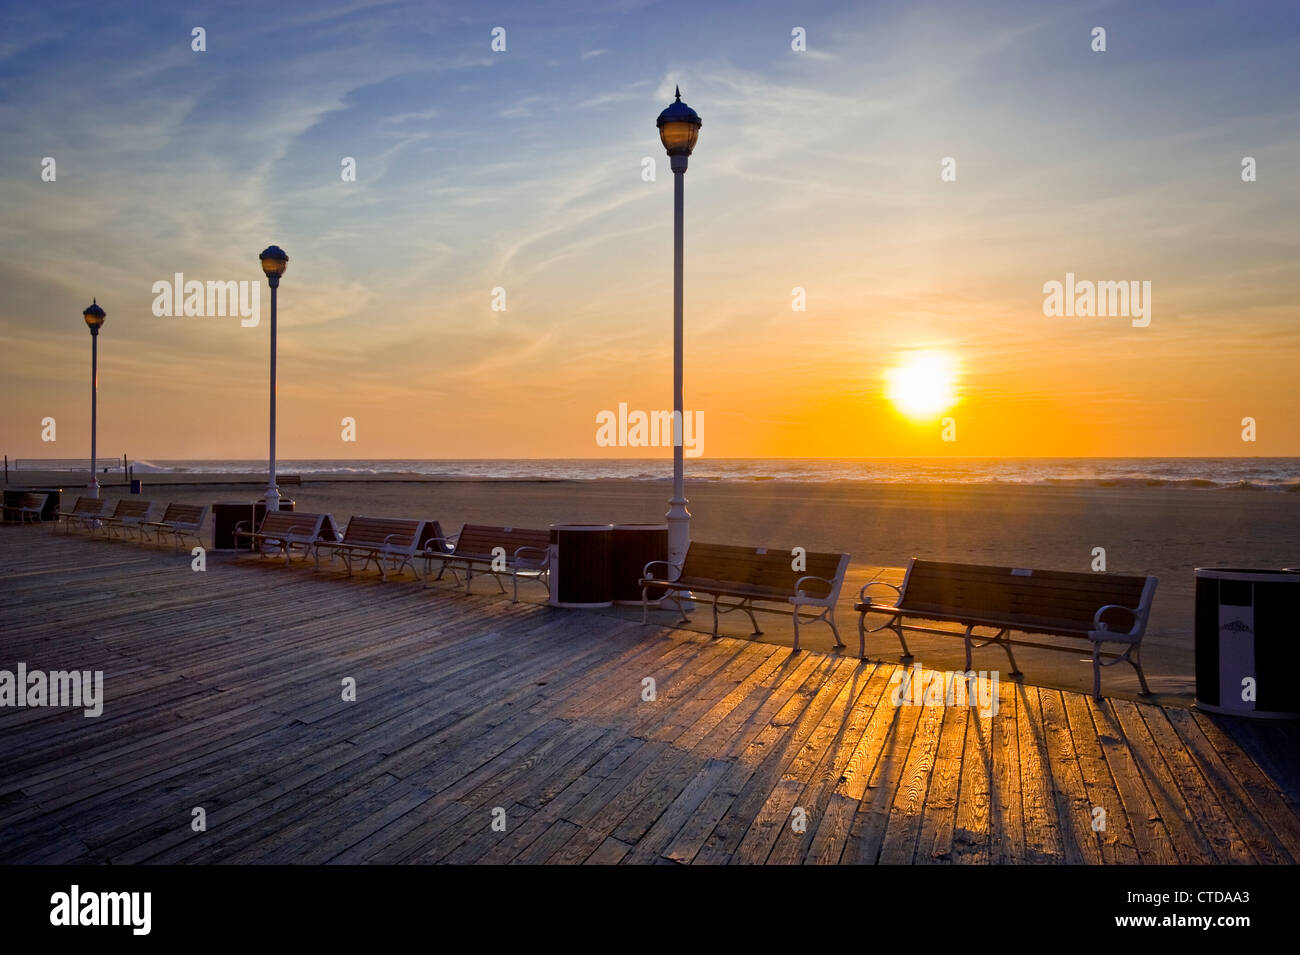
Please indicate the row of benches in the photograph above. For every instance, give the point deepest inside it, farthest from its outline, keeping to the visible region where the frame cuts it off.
(1098, 608)
(90, 514)
(395, 544)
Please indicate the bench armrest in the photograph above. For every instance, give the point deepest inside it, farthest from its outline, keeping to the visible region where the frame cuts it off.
(1139, 621)
(863, 597)
(798, 587)
(407, 539)
(537, 562)
(645, 571)
(448, 545)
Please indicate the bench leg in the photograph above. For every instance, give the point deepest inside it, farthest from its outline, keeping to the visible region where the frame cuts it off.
(669, 594)
(1003, 640)
(747, 606)
(906, 656)
(1135, 658)
(715, 615)
(966, 637)
(830, 618)
(1096, 671)
(796, 629)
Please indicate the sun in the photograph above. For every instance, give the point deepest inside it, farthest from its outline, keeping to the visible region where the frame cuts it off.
(924, 385)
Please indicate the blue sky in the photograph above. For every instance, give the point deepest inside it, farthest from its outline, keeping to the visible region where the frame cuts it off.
(522, 170)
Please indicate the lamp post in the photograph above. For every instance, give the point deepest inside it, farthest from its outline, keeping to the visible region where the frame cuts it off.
(679, 127)
(274, 262)
(94, 316)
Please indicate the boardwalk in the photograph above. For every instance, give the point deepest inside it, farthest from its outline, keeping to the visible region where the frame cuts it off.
(224, 692)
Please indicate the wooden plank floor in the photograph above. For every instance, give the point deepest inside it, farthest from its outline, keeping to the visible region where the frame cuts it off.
(223, 691)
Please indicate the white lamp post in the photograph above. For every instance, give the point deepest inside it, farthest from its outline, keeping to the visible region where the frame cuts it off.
(94, 316)
(679, 127)
(274, 262)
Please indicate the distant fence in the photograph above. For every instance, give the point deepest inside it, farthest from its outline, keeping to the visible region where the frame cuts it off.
(111, 466)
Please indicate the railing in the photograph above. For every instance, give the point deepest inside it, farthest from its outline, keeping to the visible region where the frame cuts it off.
(113, 466)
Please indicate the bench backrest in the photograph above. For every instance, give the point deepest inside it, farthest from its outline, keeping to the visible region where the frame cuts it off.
(89, 505)
(393, 533)
(297, 524)
(126, 507)
(185, 514)
(33, 502)
(769, 567)
(1050, 598)
(478, 540)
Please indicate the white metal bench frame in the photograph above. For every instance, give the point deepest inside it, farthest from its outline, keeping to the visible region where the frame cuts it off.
(1098, 635)
(744, 603)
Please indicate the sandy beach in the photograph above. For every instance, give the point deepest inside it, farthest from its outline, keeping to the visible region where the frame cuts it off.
(1163, 531)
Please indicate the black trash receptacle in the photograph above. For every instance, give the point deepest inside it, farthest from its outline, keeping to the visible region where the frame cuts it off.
(636, 545)
(580, 565)
(227, 515)
(137, 485)
(53, 499)
(1246, 646)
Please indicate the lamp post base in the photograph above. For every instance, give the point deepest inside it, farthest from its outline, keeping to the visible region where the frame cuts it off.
(93, 488)
(272, 497)
(679, 539)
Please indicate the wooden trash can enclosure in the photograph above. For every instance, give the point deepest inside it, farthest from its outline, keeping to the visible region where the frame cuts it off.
(581, 568)
(53, 499)
(636, 545)
(226, 515)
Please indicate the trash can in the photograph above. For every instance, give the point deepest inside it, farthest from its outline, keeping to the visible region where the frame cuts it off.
(227, 515)
(53, 499)
(580, 565)
(1247, 642)
(636, 545)
(137, 485)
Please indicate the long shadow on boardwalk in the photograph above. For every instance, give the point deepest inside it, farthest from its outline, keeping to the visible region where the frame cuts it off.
(224, 691)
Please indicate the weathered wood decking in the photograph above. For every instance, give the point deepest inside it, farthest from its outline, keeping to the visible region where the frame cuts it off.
(223, 691)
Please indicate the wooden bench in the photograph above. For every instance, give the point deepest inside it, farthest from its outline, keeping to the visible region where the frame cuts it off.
(1099, 608)
(751, 574)
(512, 551)
(127, 514)
(281, 531)
(179, 520)
(29, 508)
(83, 514)
(381, 539)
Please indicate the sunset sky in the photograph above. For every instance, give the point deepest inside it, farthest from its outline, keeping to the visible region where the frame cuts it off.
(522, 170)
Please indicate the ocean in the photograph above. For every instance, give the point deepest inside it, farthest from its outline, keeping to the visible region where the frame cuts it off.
(1196, 473)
